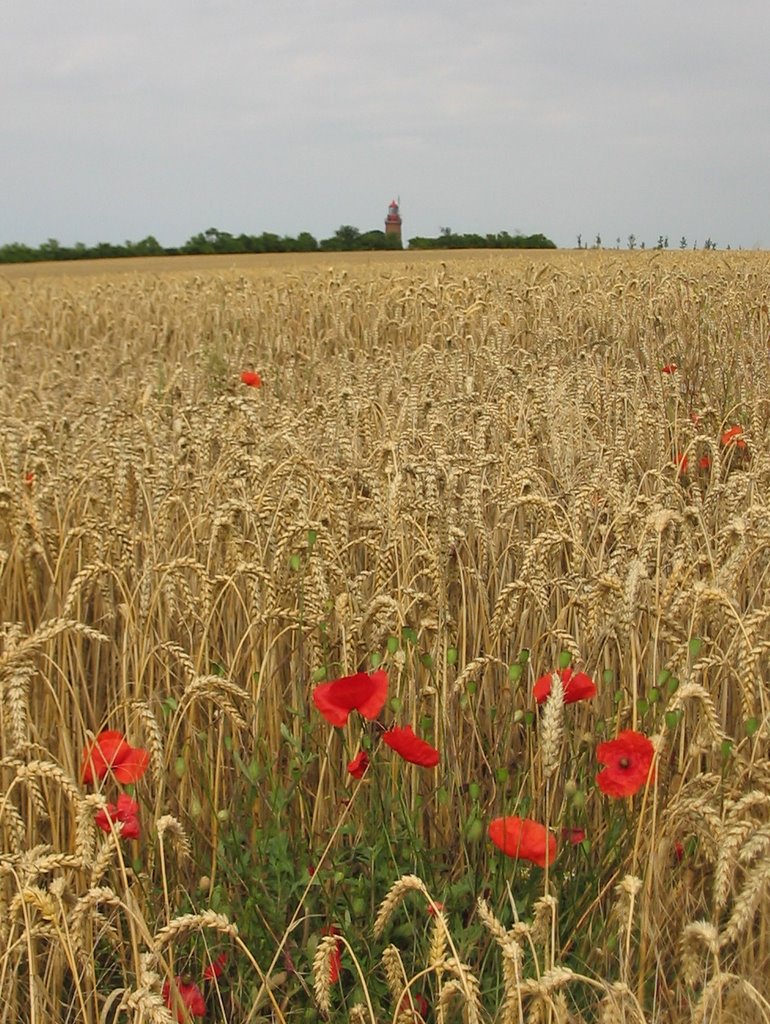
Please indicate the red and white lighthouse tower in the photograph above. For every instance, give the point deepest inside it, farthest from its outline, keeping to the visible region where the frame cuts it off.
(393, 221)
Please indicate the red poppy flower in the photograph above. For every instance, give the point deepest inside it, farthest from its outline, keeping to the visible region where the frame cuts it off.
(734, 436)
(681, 462)
(124, 814)
(434, 908)
(704, 462)
(524, 839)
(679, 851)
(187, 1000)
(29, 478)
(669, 368)
(411, 747)
(628, 759)
(362, 692)
(359, 764)
(575, 836)
(111, 753)
(577, 686)
(421, 1008)
(215, 967)
(251, 379)
(335, 961)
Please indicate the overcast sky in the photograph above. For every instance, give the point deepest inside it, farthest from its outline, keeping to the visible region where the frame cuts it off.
(124, 118)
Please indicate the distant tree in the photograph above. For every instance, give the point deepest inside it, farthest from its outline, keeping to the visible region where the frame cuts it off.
(50, 250)
(660, 242)
(345, 239)
(632, 241)
(665, 242)
(617, 242)
(149, 246)
(445, 232)
(580, 241)
(682, 242)
(598, 241)
(305, 242)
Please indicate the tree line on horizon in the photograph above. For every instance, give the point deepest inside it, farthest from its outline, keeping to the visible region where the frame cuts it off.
(213, 241)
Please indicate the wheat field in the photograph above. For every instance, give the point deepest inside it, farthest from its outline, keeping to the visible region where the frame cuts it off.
(466, 470)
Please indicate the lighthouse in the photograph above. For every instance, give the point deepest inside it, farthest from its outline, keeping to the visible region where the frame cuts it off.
(393, 222)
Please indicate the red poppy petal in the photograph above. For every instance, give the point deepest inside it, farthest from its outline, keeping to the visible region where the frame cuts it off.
(131, 764)
(103, 818)
(359, 692)
(251, 379)
(374, 701)
(215, 968)
(411, 747)
(579, 687)
(542, 688)
(524, 839)
(629, 763)
(101, 754)
(357, 767)
(130, 828)
(190, 996)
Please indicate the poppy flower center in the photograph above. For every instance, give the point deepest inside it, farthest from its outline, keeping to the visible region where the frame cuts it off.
(625, 762)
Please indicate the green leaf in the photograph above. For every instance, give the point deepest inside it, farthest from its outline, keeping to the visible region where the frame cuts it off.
(319, 674)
